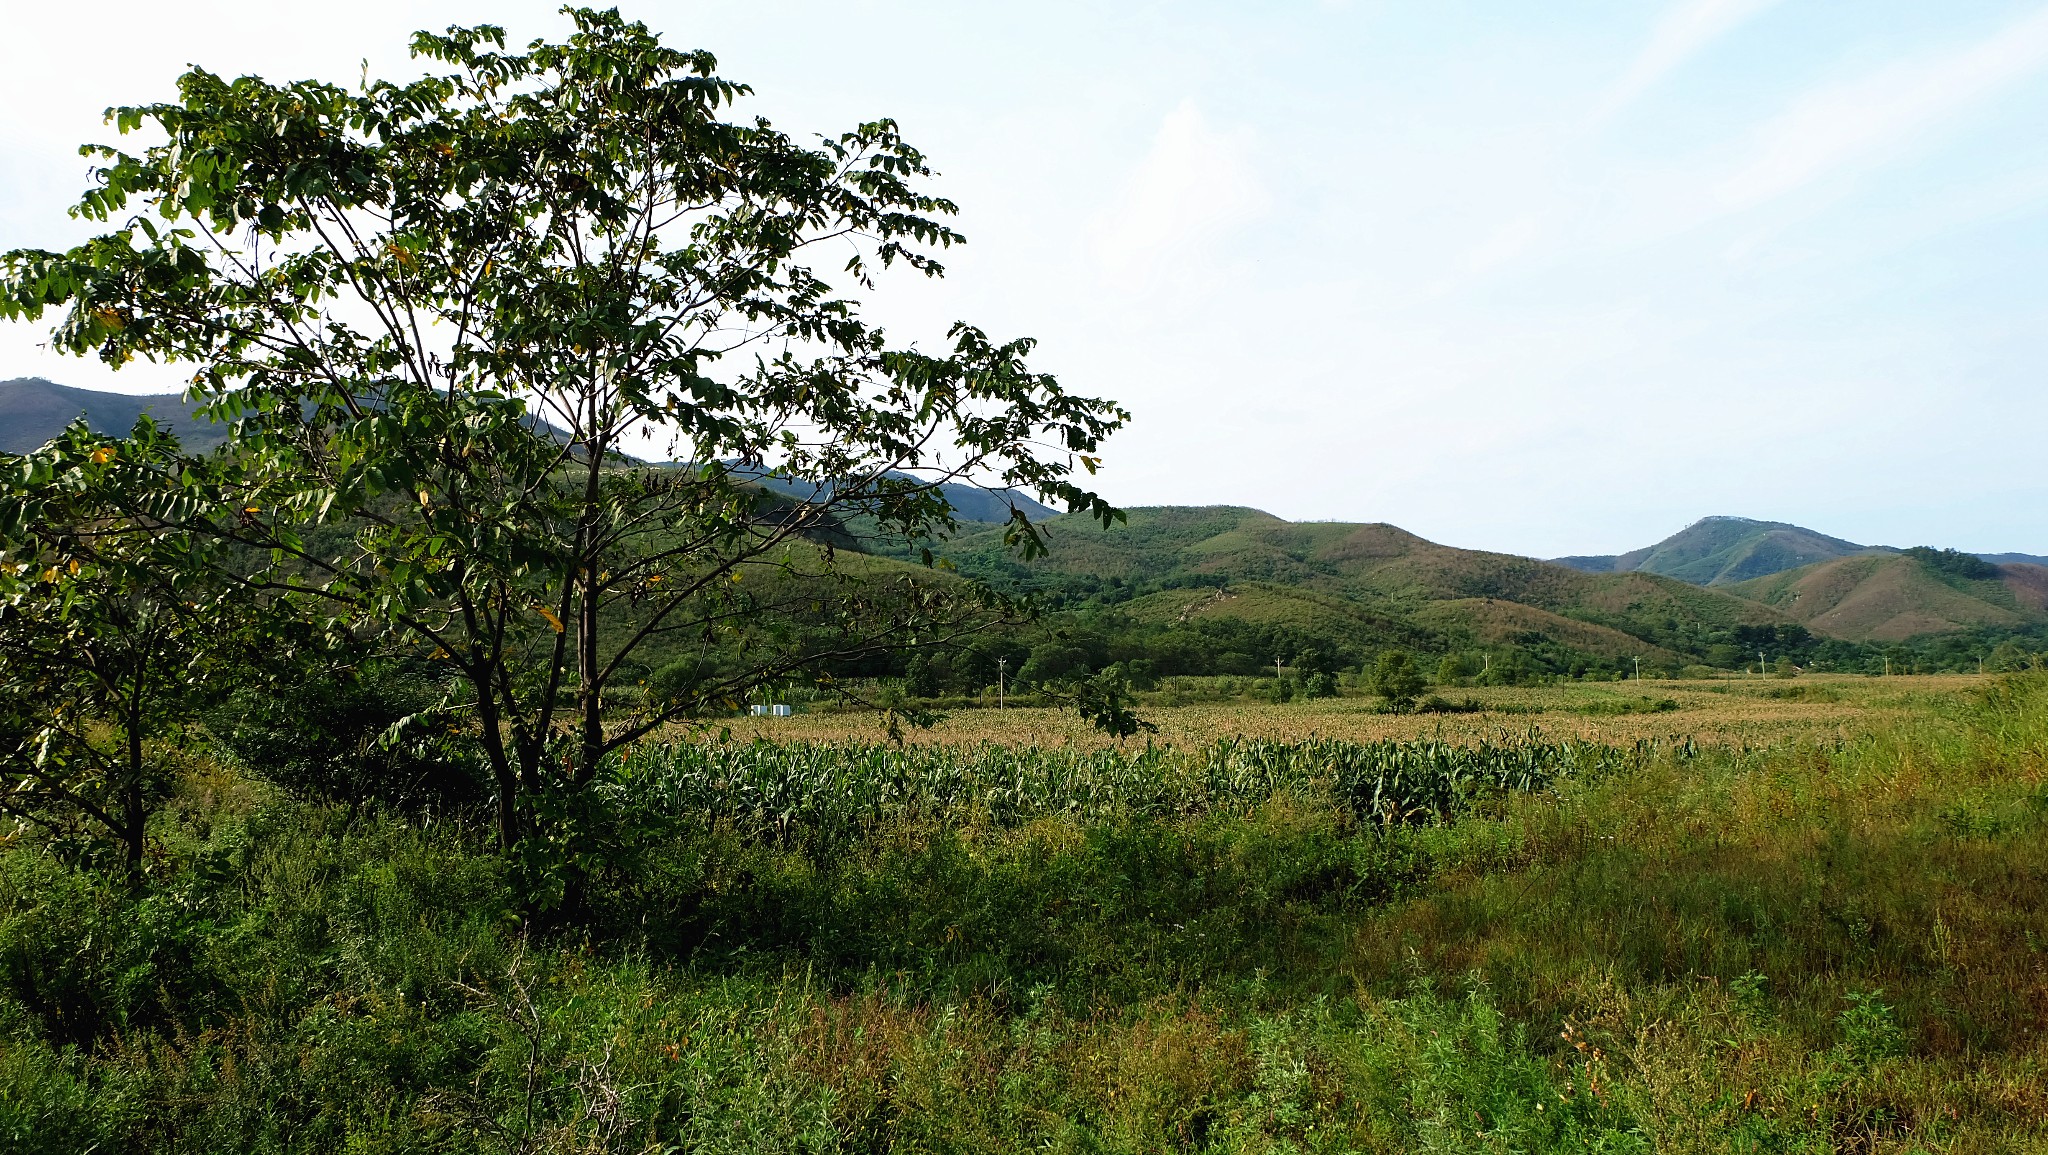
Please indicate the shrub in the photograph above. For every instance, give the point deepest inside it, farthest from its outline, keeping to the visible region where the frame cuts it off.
(1954, 563)
(1395, 679)
(351, 735)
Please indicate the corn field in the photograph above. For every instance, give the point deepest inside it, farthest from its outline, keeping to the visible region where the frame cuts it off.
(837, 790)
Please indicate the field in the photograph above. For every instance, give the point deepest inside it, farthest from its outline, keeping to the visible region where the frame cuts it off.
(1817, 926)
(1734, 712)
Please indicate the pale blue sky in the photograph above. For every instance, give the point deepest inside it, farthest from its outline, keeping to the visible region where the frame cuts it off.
(1549, 278)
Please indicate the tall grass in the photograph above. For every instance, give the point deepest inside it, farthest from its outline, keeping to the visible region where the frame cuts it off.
(1245, 948)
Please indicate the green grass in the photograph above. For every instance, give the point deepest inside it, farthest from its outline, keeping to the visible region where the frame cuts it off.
(1801, 949)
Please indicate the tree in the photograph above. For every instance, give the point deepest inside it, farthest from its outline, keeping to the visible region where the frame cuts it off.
(1395, 678)
(2009, 657)
(444, 313)
(1319, 672)
(110, 627)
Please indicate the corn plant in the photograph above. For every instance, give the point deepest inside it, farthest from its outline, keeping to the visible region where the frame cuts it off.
(832, 791)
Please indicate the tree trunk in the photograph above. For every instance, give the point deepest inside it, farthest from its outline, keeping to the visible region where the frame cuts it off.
(135, 820)
(502, 773)
(590, 701)
(134, 810)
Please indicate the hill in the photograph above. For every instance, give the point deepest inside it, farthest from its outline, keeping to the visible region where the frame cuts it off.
(969, 502)
(1369, 585)
(1725, 550)
(1720, 551)
(33, 410)
(1718, 588)
(1893, 597)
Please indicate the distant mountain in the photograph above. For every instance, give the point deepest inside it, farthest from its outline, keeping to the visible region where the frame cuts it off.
(1892, 597)
(2014, 559)
(33, 410)
(1723, 550)
(969, 502)
(1376, 584)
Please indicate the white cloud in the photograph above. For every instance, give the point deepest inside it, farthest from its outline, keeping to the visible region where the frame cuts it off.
(1846, 124)
(1194, 185)
(1685, 30)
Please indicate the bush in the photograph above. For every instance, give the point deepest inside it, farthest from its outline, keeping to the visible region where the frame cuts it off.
(335, 735)
(1053, 662)
(1395, 678)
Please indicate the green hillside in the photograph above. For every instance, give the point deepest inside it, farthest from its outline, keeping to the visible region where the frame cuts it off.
(1725, 550)
(1886, 598)
(1222, 589)
(1363, 587)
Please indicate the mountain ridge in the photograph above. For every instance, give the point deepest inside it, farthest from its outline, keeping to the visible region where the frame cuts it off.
(33, 410)
(1386, 585)
(1670, 603)
(1723, 550)
(1894, 597)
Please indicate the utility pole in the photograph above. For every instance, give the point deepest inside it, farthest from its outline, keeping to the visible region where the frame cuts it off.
(1760, 668)
(1001, 665)
(1277, 675)
(1639, 668)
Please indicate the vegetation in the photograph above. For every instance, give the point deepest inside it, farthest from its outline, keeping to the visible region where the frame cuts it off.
(1721, 550)
(1211, 592)
(439, 312)
(1396, 680)
(858, 947)
(113, 636)
(1954, 564)
(365, 793)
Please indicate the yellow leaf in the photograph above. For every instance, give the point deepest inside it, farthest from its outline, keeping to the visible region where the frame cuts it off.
(102, 455)
(252, 509)
(550, 616)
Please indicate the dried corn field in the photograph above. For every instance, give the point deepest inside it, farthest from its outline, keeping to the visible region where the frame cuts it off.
(1734, 712)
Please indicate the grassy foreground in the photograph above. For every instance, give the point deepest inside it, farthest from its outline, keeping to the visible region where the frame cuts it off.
(1822, 945)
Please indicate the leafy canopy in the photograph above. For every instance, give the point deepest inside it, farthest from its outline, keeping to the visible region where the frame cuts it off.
(450, 314)
(113, 632)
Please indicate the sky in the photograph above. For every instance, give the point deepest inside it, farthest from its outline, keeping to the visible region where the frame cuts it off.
(1548, 279)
